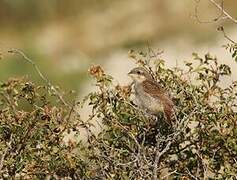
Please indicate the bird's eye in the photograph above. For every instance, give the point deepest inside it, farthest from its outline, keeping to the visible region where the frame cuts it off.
(138, 72)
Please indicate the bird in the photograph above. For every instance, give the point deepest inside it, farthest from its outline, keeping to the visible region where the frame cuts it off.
(149, 94)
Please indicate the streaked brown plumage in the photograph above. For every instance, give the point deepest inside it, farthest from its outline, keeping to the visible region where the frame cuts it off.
(150, 95)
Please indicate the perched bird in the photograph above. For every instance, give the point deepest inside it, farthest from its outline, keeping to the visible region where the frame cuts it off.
(149, 95)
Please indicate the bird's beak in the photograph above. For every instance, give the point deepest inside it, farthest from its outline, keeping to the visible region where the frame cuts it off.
(131, 72)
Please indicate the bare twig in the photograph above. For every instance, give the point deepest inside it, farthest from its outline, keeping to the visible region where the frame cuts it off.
(167, 175)
(11, 105)
(170, 139)
(191, 175)
(220, 7)
(158, 155)
(46, 80)
(128, 163)
(196, 15)
(223, 13)
(221, 28)
(5, 153)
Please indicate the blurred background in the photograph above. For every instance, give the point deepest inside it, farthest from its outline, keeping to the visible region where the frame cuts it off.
(66, 37)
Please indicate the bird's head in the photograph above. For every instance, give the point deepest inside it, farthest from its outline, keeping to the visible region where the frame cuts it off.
(139, 74)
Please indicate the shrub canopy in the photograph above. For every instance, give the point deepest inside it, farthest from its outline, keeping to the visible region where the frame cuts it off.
(132, 144)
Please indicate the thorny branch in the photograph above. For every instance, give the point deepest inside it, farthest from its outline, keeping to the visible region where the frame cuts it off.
(221, 28)
(119, 152)
(222, 16)
(46, 80)
(224, 12)
(171, 138)
(49, 84)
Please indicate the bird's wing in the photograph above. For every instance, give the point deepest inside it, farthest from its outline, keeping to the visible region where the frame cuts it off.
(153, 88)
(156, 91)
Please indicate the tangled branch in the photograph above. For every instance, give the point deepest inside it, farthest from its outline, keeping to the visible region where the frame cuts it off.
(222, 16)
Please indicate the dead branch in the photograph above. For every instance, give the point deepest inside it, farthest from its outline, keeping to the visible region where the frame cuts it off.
(222, 16)
(224, 12)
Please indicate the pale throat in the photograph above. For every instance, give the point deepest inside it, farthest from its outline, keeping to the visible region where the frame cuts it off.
(138, 78)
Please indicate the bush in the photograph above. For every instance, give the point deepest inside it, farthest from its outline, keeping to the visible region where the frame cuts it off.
(132, 144)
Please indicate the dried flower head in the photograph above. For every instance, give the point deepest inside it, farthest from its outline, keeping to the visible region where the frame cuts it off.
(96, 71)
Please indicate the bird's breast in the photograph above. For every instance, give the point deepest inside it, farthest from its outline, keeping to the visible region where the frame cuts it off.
(146, 101)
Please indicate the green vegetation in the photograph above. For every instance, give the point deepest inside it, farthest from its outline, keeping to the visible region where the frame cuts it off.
(16, 66)
(132, 145)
